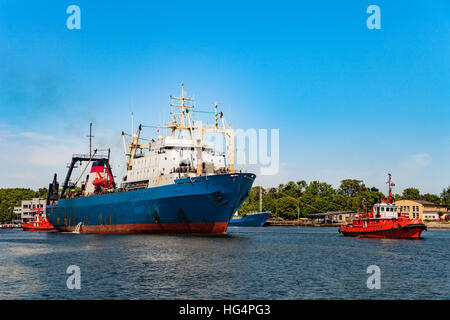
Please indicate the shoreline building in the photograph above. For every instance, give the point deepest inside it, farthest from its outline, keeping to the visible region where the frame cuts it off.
(331, 217)
(17, 211)
(421, 209)
(29, 208)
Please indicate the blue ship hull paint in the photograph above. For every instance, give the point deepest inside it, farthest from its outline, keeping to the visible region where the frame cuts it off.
(253, 220)
(195, 205)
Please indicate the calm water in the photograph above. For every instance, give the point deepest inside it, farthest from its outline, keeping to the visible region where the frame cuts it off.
(249, 263)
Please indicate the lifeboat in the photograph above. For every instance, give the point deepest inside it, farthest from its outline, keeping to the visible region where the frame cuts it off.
(39, 223)
(384, 221)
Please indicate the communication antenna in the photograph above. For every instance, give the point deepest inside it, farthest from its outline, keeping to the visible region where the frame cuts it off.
(90, 139)
(132, 116)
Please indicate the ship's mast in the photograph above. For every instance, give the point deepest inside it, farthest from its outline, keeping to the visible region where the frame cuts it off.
(184, 112)
(90, 139)
(180, 124)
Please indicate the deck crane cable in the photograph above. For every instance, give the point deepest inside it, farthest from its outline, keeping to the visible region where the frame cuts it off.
(129, 135)
(95, 151)
(201, 111)
(121, 173)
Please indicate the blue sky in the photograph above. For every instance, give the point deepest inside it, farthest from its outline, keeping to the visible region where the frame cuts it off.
(349, 102)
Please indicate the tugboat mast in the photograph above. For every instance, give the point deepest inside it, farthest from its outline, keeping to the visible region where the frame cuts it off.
(391, 184)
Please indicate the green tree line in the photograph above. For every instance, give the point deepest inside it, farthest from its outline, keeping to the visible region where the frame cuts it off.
(289, 200)
(284, 201)
(11, 197)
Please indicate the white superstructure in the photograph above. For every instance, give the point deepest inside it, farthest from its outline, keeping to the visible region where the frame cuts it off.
(172, 158)
(177, 156)
(385, 211)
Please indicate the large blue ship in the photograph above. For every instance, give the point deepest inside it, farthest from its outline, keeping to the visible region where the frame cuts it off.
(199, 205)
(172, 185)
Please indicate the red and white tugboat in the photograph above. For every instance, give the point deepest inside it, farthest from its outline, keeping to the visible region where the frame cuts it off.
(39, 223)
(384, 222)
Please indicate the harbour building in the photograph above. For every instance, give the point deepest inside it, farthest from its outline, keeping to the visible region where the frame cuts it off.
(421, 209)
(17, 211)
(31, 207)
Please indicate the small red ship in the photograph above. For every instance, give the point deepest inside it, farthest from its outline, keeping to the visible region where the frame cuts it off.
(384, 222)
(39, 223)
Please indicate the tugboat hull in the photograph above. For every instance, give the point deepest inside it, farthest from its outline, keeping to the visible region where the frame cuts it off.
(38, 229)
(406, 232)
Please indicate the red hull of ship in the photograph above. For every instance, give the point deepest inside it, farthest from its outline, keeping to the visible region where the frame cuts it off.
(37, 229)
(180, 228)
(410, 233)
